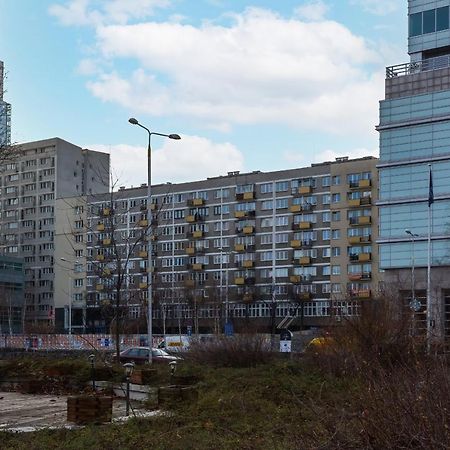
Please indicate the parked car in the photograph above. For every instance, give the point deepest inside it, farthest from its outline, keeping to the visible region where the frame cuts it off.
(139, 355)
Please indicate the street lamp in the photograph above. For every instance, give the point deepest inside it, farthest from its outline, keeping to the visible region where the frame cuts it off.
(128, 371)
(413, 303)
(134, 121)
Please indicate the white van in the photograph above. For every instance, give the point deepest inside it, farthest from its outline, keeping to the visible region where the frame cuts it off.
(175, 343)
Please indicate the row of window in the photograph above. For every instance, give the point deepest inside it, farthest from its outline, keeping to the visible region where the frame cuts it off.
(429, 21)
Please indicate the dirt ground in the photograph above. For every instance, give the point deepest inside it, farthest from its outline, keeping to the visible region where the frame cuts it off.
(26, 412)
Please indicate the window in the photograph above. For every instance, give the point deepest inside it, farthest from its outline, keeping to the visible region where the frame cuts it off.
(267, 222)
(267, 205)
(326, 235)
(266, 239)
(326, 252)
(336, 251)
(336, 216)
(326, 270)
(281, 221)
(336, 270)
(78, 282)
(335, 234)
(326, 199)
(266, 188)
(429, 21)
(281, 186)
(326, 181)
(442, 18)
(336, 198)
(336, 180)
(326, 217)
(282, 203)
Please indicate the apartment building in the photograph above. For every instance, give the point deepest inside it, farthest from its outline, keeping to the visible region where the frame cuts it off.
(414, 139)
(5, 113)
(248, 248)
(45, 171)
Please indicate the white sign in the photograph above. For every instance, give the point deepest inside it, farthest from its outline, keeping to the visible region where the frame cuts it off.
(285, 346)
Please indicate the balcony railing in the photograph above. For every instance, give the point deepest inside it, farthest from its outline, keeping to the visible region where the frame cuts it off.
(439, 62)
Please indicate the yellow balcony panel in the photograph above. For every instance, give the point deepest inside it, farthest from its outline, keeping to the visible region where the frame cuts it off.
(190, 219)
(143, 254)
(143, 223)
(239, 280)
(190, 250)
(296, 244)
(354, 202)
(247, 263)
(249, 196)
(304, 295)
(100, 227)
(197, 266)
(189, 283)
(364, 183)
(106, 211)
(106, 272)
(143, 285)
(304, 190)
(239, 214)
(294, 279)
(99, 287)
(197, 234)
(296, 208)
(364, 257)
(304, 260)
(106, 241)
(304, 225)
(363, 293)
(247, 298)
(354, 239)
(151, 270)
(239, 247)
(153, 207)
(248, 230)
(100, 257)
(364, 220)
(197, 202)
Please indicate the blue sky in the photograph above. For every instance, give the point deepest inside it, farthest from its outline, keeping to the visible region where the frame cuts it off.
(249, 85)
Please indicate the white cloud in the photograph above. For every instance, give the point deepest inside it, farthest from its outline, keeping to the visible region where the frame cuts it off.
(97, 12)
(378, 7)
(261, 69)
(313, 10)
(196, 158)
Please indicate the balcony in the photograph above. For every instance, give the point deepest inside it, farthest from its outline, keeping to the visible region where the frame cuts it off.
(143, 223)
(105, 212)
(99, 287)
(354, 276)
(239, 247)
(296, 208)
(295, 278)
(190, 250)
(106, 241)
(364, 293)
(248, 230)
(239, 214)
(100, 257)
(106, 272)
(360, 184)
(189, 283)
(304, 295)
(248, 297)
(366, 275)
(245, 196)
(365, 257)
(197, 266)
(197, 234)
(100, 227)
(195, 202)
(143, 285)
(304, 190)
(143, 254)
(296, 243)
(190, 219)
(364, 220)
(239, 281)
(153, 207)
(247, 263)
(301, 226)
(354, 239)
(304, 260)
(354, 202)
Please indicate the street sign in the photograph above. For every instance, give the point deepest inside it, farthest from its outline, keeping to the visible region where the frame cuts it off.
(285, 341)
(229, 331)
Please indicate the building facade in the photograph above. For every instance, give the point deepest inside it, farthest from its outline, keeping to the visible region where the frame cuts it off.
(11, 295)
(248, 248)
(5, 113)
(44, 171)
(414, 139)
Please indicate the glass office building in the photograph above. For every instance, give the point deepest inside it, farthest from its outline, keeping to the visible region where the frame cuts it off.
(414, 137)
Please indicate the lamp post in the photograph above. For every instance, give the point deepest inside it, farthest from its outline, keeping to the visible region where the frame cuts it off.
(128, 371)
(413, 303)
(92, 361)
(134, 121)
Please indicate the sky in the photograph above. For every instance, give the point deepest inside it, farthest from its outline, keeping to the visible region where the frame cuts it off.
(248, 85)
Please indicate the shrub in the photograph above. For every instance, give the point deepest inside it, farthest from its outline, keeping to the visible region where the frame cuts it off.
(241, 350)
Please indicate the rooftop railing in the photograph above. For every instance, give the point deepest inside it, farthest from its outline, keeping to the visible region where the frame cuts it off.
(439, 62)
